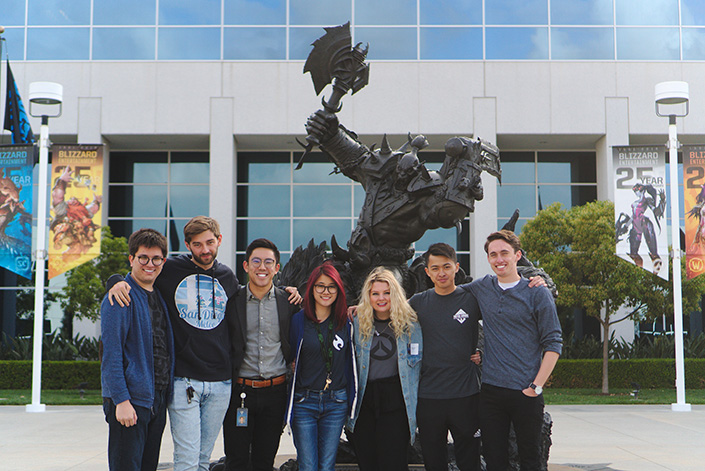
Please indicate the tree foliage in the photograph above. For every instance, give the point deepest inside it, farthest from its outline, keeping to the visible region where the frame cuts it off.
(576, 247)
(25, 297)
(85, 284)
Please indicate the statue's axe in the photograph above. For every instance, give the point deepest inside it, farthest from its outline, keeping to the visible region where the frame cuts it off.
(333, 60)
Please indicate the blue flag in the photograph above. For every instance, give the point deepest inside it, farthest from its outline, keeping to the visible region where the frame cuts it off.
(16, 162)
(15, 116)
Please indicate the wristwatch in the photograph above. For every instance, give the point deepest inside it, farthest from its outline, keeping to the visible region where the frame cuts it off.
(538, 389)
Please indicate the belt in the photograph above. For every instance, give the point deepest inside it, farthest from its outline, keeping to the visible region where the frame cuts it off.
(262, 383)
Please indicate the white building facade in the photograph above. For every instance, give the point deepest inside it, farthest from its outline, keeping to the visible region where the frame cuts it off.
(199, 102)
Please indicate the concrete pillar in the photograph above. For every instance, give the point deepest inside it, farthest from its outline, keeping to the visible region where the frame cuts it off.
(616, 134)
(484, 220)
(223, 167)
(89, 131)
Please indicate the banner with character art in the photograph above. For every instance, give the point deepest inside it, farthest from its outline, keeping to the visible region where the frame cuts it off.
(640, 207)
(694, 209)
(16, 164)
(76, 200)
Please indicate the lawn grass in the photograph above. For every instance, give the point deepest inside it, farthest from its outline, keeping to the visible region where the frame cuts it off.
(67, 397)
(619, 396)
(553, 396)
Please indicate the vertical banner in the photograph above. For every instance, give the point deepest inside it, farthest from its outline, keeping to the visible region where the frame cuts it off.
(76, 197)
(640, 206)
(16, 164)
(694, 209)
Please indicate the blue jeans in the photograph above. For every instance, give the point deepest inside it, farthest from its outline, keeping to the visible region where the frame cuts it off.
(136, 448)
(317, 421)
(195, 425)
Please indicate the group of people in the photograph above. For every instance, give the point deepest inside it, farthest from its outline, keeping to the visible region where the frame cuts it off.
(180, 334)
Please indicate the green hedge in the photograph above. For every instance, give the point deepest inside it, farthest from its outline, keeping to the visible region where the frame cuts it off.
(650, 373)
(55, 374)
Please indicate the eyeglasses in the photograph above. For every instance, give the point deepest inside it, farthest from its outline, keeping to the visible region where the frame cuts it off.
(268, 262)
(320, 289)
(156, 261)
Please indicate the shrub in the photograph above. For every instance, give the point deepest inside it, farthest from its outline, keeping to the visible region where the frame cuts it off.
(55, 374)
(650, 373)
(54, 347)
(645, 346)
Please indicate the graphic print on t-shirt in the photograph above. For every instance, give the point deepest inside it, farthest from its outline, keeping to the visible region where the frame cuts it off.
(461, 316)
(338, 342)
(200, 300)
(384, 347)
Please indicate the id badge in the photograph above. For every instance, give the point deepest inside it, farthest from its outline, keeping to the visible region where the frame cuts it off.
(414, 349)
(241, 420)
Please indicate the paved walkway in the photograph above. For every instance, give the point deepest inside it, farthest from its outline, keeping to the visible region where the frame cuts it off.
(592, 438)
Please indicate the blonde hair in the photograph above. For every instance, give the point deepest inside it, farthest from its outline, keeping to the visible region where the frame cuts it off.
(401, 314)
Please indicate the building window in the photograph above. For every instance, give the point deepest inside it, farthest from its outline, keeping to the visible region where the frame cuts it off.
(581, 12)
(532, 180)
(159, 190)
(418, 30)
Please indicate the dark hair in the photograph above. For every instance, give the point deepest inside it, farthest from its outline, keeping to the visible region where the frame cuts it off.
(440, 249)
(199, 225)
(340, 306)
(505, 235)
(261, 244)
(147, 238)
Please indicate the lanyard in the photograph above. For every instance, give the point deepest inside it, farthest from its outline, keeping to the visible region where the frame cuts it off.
(326, 352)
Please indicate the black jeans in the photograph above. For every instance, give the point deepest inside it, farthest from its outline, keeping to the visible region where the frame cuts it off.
(381, 437)
(259, 441)
(136, 448)
(499, 407)
(435, 417)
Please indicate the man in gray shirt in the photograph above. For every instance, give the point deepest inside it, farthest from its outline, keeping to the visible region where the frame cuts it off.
(449, 386)
(258, 317)
(522, 345)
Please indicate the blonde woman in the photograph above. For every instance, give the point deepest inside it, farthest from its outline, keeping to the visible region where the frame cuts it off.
(388, 348)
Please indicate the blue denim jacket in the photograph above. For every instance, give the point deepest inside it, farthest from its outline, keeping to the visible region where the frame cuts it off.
(409, 372)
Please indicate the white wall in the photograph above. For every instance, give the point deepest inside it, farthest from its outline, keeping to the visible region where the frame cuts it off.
(624, 330)
(554, 99)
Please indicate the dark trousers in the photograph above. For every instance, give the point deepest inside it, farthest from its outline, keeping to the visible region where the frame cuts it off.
(136, 448)
(259, 441)
(500, 407)
(435, 417)
(381, 437)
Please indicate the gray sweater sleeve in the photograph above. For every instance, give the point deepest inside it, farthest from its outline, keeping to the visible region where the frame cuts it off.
(550, 333)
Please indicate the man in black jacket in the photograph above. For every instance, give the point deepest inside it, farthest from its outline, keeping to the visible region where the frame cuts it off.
(259, 318)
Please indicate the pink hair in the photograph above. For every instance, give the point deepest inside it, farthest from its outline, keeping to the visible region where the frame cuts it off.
(340, 306)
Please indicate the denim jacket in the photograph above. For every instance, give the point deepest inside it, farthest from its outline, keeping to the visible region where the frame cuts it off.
(409, 372)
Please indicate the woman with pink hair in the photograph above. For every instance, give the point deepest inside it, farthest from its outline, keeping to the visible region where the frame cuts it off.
(324, 386)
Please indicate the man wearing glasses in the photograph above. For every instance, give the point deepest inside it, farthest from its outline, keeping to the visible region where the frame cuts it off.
(137, 369)
(259, 318)
(196, 288)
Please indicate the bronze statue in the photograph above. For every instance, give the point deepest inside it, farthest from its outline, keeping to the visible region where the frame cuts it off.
(403, 198)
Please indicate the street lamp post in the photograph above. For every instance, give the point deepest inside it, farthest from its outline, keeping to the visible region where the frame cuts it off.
(674, 96)
(43, 97)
